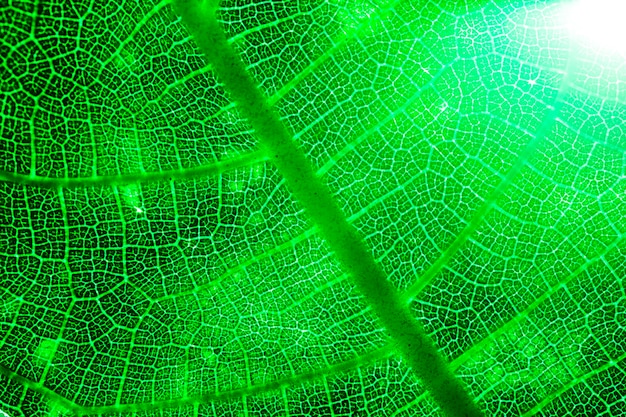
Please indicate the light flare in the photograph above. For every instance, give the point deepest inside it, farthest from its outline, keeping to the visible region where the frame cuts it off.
(600, 24)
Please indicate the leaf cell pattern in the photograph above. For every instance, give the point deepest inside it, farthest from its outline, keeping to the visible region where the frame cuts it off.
(155, 260)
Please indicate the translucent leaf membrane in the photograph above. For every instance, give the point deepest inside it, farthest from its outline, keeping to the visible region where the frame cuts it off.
(562, 356)
(477, 148)
(104, 89)
(385, 384)
(434, 109)
(281, 39)
(156, 292)
(564, 211)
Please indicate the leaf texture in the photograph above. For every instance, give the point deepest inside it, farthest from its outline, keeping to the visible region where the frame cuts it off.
(155, 259)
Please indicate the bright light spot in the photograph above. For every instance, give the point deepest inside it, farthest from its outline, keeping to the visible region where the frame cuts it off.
(138, 210)
(46, 350)
(599, 23)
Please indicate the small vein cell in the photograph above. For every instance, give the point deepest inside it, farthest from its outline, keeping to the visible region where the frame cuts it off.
(131, 196)
(125, 59)
(46, 350)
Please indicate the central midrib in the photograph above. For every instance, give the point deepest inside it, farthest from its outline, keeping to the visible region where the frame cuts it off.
(411, 341)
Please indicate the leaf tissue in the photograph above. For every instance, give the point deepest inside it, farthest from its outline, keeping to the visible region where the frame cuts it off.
(312, 208)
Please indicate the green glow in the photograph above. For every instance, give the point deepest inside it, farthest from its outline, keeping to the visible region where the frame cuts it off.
(312, 208)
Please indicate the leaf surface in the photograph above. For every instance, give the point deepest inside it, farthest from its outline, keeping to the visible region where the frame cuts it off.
(154, 259)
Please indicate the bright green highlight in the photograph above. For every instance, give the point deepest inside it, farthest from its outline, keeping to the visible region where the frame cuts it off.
(46, 350)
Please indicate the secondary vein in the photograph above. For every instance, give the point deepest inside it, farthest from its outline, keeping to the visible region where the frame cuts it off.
(215, 168)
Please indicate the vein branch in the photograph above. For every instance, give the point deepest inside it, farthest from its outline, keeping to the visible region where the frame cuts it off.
(215, 168)
(235, 393)
(617, 362)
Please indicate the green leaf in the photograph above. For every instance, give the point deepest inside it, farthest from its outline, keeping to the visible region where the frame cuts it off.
(311, 208)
